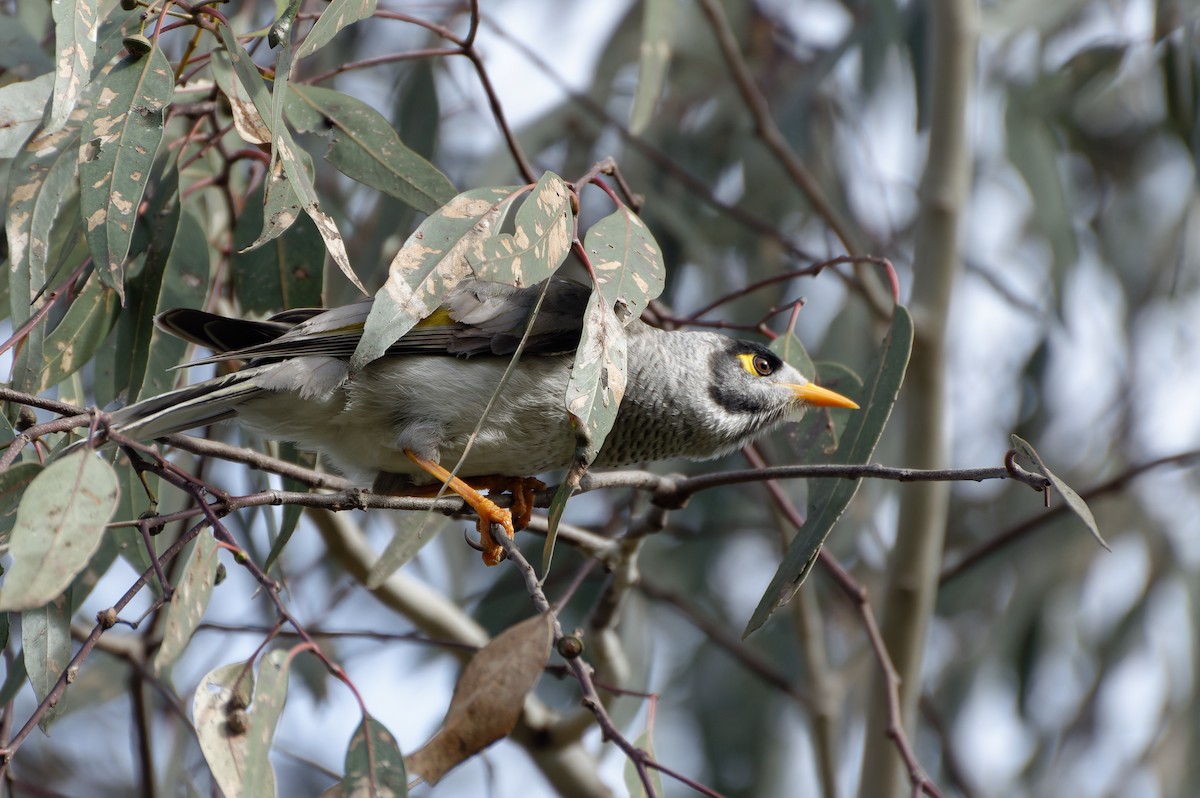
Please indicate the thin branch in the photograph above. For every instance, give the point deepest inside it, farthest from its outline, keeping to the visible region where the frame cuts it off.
(583, 674)
(1012, 535)
(766, 128)
(727, 641)
(105, 621)
(858, 596)
(658, 157)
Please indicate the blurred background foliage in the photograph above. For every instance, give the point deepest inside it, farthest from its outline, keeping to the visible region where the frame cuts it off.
(1051, 666)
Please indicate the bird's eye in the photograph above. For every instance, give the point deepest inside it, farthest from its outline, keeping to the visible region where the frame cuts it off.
(762, 366)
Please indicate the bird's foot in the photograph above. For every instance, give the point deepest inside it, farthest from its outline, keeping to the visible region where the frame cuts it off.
(522, 490)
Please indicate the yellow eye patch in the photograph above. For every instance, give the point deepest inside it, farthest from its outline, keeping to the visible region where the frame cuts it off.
(755, 365)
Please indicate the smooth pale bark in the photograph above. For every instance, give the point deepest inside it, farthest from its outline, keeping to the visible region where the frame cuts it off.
(915, 562)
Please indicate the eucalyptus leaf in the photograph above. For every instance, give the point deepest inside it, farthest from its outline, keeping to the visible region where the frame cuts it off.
(1073, 499)
(59, 524)
(410, 533)
(80, 334)
(829, 498)
(188, 602)
(76, 23)
(46, 648)
(220, 715)
(120, 138)
(654, 57)
(374, 764)
(21, 110)
(288, 162)
(337, 15)
(365, 147)
(539, 243)
(432, 261)
(269, 698)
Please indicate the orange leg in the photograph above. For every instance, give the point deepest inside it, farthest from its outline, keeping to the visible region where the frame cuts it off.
(488, 511)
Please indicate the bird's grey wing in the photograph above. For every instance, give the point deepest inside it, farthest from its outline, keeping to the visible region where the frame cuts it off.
(492, 318)
(477, 318)
(294, 333)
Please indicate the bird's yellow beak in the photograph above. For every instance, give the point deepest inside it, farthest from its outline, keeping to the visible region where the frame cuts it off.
(815, 395)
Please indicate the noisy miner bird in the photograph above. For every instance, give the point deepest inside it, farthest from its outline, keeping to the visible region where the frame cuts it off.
(404, 418)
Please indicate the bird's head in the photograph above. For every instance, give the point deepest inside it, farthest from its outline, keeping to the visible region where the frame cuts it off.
(752, 389)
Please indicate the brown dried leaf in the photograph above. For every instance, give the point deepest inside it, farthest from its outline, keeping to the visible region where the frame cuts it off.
(488, 699)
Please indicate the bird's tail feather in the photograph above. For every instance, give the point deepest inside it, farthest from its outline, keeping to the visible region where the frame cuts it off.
(186, 408)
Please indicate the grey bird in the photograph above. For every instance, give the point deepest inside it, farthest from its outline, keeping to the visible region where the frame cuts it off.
(397, 422)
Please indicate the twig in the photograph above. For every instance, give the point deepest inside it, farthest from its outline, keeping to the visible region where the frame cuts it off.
(766, 128)
(1016, 533)
(583, 674)
(105, 621)
(727, 641)
(858, 596)
(659, 158)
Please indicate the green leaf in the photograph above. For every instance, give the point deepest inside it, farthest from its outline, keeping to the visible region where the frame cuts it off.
(1073, 499)
(281, 205)
(251, 104)
(828, 498)
(593, 396)
(185, 285)
(792, 352)
(76, 23)
(41, 182)
(135, 327)
(337, 15)
(264, 717)
(597, 382)
(540, 242)
(120, 138)
(628, 262)
(816, 436)
(13, 483)
(46, 644)
(374, 765)
(432, 261)
(284, 150)
(188, 602)
(281, 31)
(80, 334)
(86, 580)
(410, 534)
(59, 524)
(21, 110)
(219, 708)
(246, 119)
(363, 146)
(629, 270)
(654, 57)
(287, 273)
